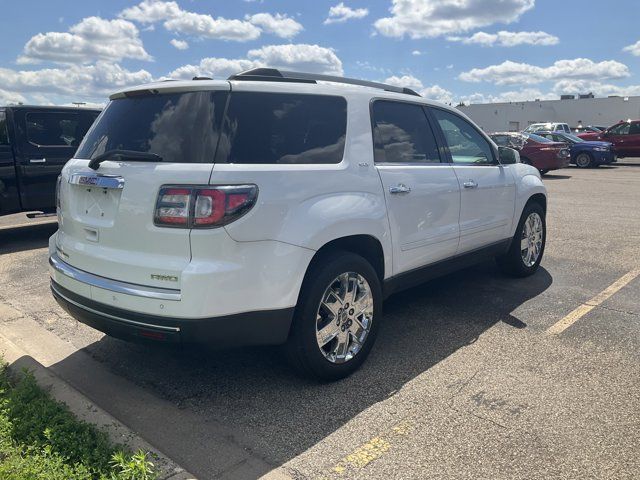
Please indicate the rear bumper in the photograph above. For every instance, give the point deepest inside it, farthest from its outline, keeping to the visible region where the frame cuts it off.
(550, 161)
(270, 327)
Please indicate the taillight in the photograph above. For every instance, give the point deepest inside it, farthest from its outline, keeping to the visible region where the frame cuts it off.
(203, 207)
(58, 185)
(172, 207)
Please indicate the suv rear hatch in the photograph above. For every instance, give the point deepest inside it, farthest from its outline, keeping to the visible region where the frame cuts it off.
(106, 215)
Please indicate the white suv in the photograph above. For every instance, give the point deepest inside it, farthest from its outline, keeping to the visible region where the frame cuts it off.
(547, 127)
(280, 208)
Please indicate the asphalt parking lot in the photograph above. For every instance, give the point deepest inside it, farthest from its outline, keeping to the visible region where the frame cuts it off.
(474, 375)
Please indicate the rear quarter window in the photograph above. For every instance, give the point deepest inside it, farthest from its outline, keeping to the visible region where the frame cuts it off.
(283, 128)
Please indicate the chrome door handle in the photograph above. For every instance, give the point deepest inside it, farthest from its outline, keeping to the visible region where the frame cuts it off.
(470, 184)
(400, 188)
(38, 160)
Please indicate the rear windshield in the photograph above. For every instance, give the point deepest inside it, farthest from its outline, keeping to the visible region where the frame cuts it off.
(179, 127)
(258, 128)
(284, 128)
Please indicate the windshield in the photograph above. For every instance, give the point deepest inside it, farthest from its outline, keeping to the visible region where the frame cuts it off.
(178, 127)
(538, 138)
(536, 127)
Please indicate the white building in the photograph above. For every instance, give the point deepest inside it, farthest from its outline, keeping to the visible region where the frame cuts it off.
(515, 116)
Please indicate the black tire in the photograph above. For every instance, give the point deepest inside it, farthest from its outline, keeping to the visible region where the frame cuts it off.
(584, 160)
(512, 262)
(302, 349)
(544, 171)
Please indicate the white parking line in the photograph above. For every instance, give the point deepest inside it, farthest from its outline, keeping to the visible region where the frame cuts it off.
(586, 307)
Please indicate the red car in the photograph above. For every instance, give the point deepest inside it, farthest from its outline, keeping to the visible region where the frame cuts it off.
(535, 150)
(625, 137)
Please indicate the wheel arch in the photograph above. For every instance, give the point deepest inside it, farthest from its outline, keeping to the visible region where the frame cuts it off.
(365, 245)
(538, 198)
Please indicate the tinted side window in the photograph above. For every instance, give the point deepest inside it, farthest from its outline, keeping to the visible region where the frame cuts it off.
(268, 128)
(634, 129)
(465, 142)
(622, 129)
(402, 134)
(60, 129)
(4, 134)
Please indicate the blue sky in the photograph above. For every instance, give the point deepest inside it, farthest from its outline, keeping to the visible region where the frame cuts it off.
(58, 51)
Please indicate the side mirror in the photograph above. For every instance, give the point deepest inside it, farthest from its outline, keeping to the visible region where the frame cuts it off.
(508, 156)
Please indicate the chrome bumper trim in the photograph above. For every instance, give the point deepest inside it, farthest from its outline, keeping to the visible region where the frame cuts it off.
(155, 293)
(113, 317)
(97, 180)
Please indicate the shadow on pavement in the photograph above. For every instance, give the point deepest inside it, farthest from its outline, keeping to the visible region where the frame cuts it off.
(279, 415)
(26, 237)
(550, 176)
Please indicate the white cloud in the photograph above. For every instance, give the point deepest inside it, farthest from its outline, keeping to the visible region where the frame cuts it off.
(522, 95)
(8, 98)
(205, 26)
(218, 68)
(434, 92)
(341, 13)
(595, 87)
(416, 53)
(179, 44)
(408, 81)
(75, 82)
(280, 25)
(511, 73)
(633, 49)
(301, 57)
(508, 39)
(432, 18)
(94, 38)
(151, 11)
(202, 25)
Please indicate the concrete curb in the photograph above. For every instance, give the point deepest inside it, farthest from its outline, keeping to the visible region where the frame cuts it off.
(84, 409)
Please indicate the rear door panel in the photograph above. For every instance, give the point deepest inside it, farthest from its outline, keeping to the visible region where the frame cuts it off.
(49, 138)
(9, 195)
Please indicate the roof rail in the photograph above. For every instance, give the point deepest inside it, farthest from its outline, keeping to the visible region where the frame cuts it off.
(275, 75)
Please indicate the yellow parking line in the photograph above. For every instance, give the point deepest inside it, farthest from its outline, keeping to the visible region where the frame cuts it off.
(586, 307)
(373, 449)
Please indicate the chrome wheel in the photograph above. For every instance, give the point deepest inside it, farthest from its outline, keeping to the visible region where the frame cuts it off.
(531, 240)
(583, 160)
(344, 317)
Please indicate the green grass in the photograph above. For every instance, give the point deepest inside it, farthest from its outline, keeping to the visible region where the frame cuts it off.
(41, 439)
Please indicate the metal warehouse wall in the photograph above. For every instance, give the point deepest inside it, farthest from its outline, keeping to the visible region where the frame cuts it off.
(496, 117)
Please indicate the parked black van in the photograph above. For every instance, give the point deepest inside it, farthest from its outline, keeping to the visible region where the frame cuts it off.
(35, 143)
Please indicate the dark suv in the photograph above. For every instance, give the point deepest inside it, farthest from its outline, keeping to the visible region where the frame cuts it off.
(35, 143)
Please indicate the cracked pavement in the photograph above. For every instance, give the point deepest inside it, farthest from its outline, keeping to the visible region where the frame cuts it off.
(464, 381)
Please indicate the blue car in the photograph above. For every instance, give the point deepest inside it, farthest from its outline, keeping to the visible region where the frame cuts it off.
(584, 154)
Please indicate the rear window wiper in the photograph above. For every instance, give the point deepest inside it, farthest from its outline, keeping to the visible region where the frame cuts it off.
(120, 155)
